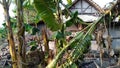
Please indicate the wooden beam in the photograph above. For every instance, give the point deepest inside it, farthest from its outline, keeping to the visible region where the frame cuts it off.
(81, 4)
(86, 8)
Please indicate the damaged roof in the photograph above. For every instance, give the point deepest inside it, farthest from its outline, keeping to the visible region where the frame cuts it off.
(92, 3)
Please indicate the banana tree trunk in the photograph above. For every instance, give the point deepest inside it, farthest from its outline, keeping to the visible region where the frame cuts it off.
(20, 34)
(10, 33)
(45, 39)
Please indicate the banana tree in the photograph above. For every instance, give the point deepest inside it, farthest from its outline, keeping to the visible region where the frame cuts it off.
(60, 36)
(83, 38)
(6, 4)
(79, 43)
(20, 34)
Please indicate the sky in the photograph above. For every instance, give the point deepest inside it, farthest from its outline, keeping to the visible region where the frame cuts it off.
(101, 3)
(2, 14)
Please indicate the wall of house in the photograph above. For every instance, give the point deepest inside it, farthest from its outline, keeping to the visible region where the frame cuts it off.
(115, 33)
(83, 7)
(72, 28)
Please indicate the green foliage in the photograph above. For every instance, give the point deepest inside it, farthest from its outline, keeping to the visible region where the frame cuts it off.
(30, 29)
(57, 35)
(33, 48)
(79, 49)
(71, 66)
(28, 4)
(3, 33)
(30, 14)
(34, 30)
(37, 18)
(79, 44)
(44, 8)
(69, 2)
(67, 33)
(75, 20)
(72, 20)
(80, 21)
(3, 30)
(33, 45)
(13, 23)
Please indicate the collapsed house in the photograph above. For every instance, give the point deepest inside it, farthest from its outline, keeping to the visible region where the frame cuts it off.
(86, 7)
(87, 10)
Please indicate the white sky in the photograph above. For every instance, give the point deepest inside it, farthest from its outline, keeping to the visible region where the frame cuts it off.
(2, 13)
(101, 3)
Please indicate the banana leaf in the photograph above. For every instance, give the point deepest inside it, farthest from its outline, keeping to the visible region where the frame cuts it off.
(45, 9)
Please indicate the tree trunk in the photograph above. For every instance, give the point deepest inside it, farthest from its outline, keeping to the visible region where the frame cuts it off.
(45, 39)
(10, 34)
(20, 34)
